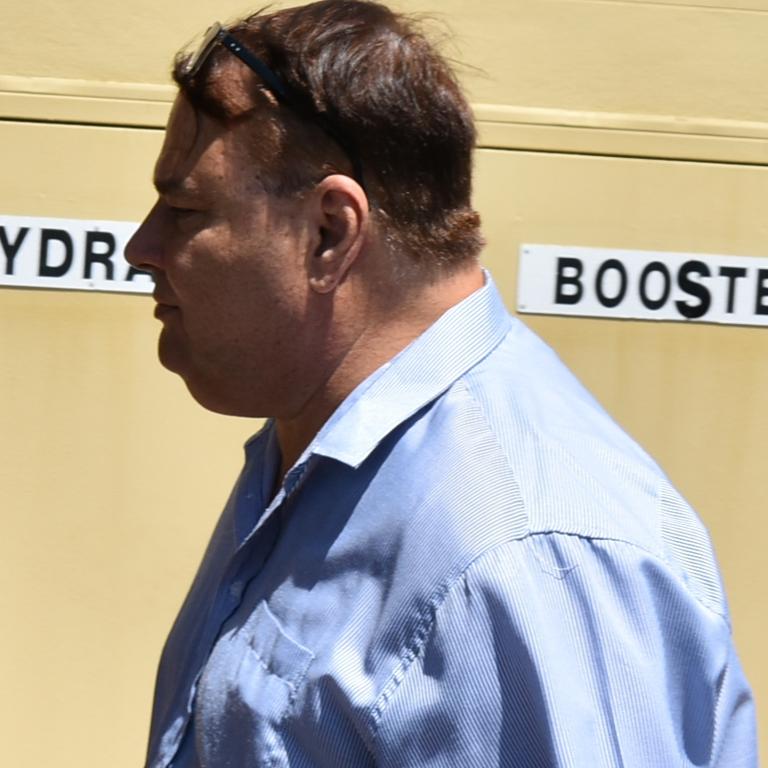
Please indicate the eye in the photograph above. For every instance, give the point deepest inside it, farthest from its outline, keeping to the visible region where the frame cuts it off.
(185, 219)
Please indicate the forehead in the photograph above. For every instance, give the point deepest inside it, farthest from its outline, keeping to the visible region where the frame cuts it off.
(177, 153)
(196, 149)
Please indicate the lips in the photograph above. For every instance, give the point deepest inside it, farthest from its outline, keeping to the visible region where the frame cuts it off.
(164, 305)
(163, 310)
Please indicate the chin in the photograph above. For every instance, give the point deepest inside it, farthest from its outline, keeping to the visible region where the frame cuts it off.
(169, 357)
(206, 384)
(212, 393)
(173, 360)
(211, 401)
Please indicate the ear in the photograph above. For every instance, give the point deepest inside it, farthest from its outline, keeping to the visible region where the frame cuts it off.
(341, 217)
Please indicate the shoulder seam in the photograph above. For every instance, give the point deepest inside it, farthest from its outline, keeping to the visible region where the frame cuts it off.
(418, 643)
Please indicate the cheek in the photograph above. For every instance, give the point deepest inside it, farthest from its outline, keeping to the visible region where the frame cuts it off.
(264, 293)
(231, 286)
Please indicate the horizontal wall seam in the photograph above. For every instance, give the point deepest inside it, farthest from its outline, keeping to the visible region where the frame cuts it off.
(614, 156)
(480, 146)
(520, 128)
(81, 124)
(626, 121)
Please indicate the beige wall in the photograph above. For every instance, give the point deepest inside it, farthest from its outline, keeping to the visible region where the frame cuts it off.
(612, 124)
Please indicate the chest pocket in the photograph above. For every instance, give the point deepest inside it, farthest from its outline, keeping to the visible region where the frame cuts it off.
(245, 692)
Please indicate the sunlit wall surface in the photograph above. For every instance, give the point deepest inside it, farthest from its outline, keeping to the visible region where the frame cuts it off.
(636, 125)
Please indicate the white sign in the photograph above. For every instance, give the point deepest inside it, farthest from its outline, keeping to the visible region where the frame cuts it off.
(75, 254)
(644, 285)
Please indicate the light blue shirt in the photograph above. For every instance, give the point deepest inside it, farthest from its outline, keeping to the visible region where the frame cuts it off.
(471, 565)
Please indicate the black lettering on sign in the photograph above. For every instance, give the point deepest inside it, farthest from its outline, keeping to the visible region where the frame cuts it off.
(568, 275)
(92, 239)
(10, 249)
(701, 292)
(605, 267)
(761, 306)
(47, 236)
(660, 268)
(733, 274)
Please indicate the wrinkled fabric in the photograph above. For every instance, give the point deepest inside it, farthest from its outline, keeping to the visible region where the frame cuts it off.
(471, 565)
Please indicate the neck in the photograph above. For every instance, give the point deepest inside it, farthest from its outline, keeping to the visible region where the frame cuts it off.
(379, 335)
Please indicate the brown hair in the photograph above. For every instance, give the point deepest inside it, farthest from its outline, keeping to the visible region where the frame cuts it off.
(373, 77)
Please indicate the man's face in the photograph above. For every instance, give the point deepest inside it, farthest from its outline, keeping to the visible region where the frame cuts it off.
(228, 261)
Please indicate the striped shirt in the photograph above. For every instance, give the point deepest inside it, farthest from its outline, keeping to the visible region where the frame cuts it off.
(470, 565)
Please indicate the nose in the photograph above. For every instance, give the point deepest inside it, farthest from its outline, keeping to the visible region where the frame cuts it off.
(144, 249)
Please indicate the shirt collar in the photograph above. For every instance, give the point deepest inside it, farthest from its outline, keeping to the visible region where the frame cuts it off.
(426, 368)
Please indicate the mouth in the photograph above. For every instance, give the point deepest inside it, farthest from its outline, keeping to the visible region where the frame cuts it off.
(164, 304)
(163, 310)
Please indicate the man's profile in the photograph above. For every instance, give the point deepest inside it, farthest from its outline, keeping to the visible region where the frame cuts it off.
(440, 550)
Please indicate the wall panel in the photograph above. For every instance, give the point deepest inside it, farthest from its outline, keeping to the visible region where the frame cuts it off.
(603, 123)
(102, 522)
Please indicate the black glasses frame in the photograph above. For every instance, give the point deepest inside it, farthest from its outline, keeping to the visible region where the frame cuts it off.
(218, 34)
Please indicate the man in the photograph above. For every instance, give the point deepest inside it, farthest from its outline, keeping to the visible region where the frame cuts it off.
(440, 551)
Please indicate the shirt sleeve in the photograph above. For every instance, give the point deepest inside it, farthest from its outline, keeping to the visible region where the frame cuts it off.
(558, 650)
